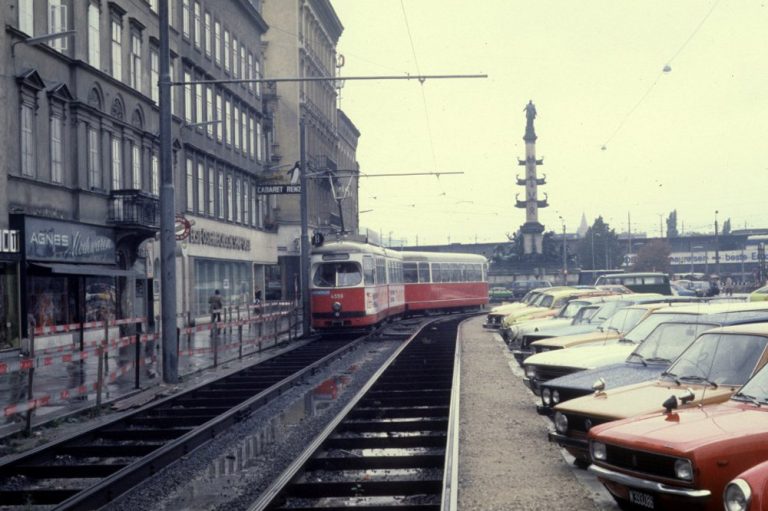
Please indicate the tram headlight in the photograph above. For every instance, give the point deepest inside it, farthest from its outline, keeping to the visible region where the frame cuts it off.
(336, 309)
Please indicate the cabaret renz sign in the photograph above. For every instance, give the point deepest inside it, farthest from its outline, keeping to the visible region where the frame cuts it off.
(54, 240)
(219, 240)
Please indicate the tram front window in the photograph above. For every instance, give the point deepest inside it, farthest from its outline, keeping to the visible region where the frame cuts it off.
(337, 275)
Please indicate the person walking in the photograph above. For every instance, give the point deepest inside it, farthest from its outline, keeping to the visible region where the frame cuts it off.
(215, 304)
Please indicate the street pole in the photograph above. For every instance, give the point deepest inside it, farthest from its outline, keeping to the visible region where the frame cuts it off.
(717, 248)
(565, 260)
(167, 210)
(303, 202)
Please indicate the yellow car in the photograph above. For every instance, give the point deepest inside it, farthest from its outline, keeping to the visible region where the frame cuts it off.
(759, 295)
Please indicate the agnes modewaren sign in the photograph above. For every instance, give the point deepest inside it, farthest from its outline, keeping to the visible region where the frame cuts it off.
(54, 240)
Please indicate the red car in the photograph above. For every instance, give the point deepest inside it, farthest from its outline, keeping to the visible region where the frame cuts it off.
(684, 459)
(749, 491)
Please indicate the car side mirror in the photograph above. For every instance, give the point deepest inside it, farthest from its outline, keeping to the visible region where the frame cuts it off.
(670, 404)
(687, 396)
(599, 385)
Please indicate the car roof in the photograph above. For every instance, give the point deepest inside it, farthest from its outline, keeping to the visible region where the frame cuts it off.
(713, 308)
(757, 328)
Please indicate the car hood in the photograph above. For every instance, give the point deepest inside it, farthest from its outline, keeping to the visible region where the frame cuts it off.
(507, 308)
(587, 357)
(544, 325)
(641, 399)
(569, 341)
(687, 429)
(553, 330)
(521, 316)
(615, 375)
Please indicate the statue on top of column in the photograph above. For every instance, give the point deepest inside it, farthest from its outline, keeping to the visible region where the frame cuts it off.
(530, 115)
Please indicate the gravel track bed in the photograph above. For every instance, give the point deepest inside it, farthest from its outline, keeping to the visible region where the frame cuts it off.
(505, 460)
(229, 472)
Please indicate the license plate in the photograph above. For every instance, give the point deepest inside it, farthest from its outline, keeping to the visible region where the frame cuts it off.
(641, 499)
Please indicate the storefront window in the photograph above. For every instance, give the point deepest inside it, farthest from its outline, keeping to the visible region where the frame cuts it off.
(100, 298)
(233, 280)
(9, 306)
(49, 300)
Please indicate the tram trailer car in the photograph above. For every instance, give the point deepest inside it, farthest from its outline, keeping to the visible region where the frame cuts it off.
(444, 281)
(357, 285)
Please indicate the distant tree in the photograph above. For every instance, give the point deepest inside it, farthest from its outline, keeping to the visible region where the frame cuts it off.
(726, 227)
(653, 257)
(672, 225)
(600, 247)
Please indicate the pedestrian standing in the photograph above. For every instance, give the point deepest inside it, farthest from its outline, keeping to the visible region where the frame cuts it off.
(215, 304)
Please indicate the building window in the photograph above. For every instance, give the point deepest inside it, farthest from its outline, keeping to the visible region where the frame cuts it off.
(238, 202)
(258, 76)
(154, 74)
(57, 150)
(246, 132)
(246, 217)
(243, 72)
(252, 133)
(259, 142)
(155, 174)
(209, 110)
(207, 40)
(200, 187)
(221, 194)
(185, 17)
(173, 89)
(217, 42)
(235, 64)
(117, 49)
(198, 31)
(27, 16)
(211, 191)
(199, 113)
(190, 186)
(57, 22)
(153, 5)
(230, 202)
(136, 61)
(94, 158)
(27, 140)
(226, 50)
(94, 37)
(237, 127)
(228, 121)
(117, 162)
(219, 117)
(188, 97)
(136, 166)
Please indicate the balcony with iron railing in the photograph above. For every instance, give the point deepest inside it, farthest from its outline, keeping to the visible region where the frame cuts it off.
(134, 209)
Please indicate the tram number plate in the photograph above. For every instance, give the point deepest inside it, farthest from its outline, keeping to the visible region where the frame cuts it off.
(641, 499)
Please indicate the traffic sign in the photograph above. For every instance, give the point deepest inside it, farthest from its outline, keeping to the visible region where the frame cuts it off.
(182, 227)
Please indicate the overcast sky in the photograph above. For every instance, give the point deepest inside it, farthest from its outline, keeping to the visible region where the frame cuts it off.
(691, 139)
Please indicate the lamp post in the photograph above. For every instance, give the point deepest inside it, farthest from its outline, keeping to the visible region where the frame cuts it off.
(717, 247)
(565, 255)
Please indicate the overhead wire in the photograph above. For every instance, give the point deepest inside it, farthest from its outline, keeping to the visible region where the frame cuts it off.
(667, 68)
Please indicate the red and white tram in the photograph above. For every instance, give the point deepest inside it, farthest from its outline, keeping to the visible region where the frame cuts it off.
(357, 285)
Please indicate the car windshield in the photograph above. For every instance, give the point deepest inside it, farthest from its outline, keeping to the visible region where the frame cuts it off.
(667, 341)
(646, 326)
(584, 315)
(755, 389)
(573, 307)
(546, 301)
(607, 310)
(623, 320)
(337, 274)
(722, 358)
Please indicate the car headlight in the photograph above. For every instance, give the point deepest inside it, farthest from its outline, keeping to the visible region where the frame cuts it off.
(555, 396)
(546, 397)
(684, 469)
(598, 451)
(530, 372)
(737, 495)
(561, 423)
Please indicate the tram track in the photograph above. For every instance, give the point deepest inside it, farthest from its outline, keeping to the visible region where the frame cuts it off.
(394, 446)
(89, 469)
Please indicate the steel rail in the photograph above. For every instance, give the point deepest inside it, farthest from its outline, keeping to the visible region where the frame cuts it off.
(117, 478)
(451, 472)
(382, 435)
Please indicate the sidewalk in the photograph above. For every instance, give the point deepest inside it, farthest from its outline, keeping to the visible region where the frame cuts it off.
(65, 380)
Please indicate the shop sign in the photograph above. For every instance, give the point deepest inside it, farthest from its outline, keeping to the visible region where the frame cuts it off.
(219, 240)
(9, 241)
(53, 240)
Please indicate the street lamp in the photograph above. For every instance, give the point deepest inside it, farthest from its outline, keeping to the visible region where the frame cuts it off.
(565, 256)
(717, 247)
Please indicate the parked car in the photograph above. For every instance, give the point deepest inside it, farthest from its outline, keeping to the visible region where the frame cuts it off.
(498, 313)
(759, 295)
(645, 363)
(709, 371)
(612, 348)
(688, 459)
(681, 289)
(520, 287)
(645, 282)
(500, 294)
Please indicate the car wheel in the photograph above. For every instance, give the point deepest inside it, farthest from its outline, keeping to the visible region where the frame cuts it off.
(581, 463)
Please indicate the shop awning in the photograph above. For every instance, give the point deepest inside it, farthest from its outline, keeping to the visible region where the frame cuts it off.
(89, 269)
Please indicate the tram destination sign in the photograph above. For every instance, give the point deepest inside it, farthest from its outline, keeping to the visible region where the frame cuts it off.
(277, 189)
